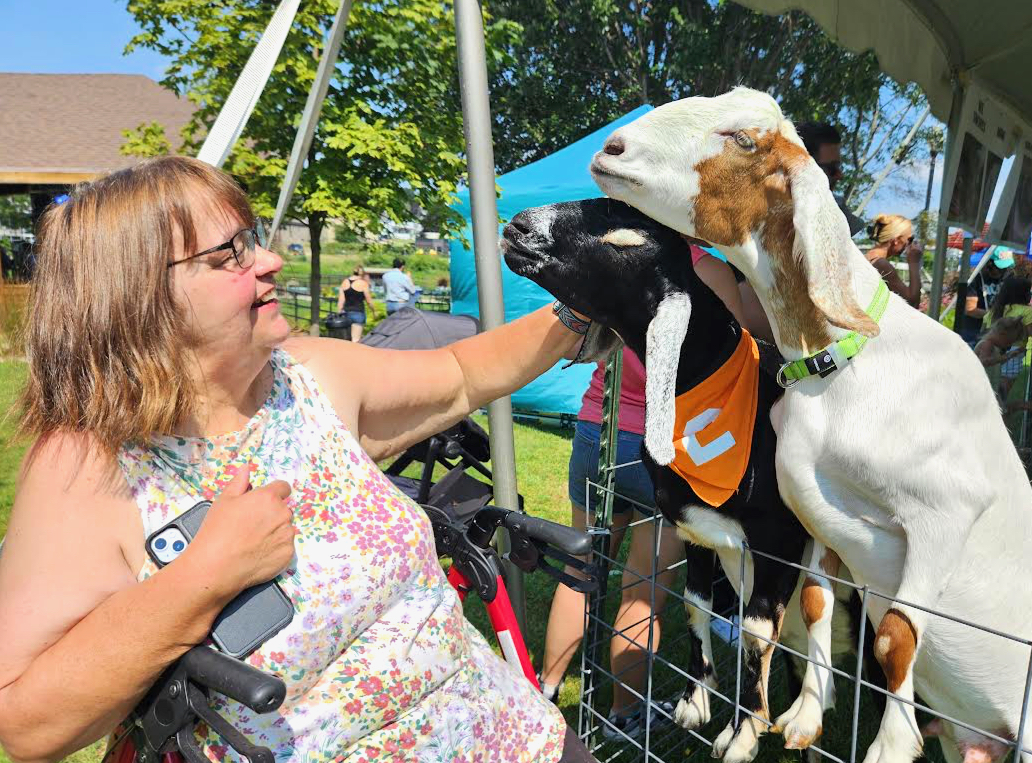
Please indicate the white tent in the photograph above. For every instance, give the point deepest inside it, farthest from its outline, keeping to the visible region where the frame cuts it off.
(957, 51)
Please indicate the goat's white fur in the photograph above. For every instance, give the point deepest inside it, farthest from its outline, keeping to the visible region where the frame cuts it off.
(622, 237)
(663, 342)
(900, 463)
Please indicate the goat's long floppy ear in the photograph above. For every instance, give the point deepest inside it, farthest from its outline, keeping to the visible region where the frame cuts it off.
(599, 343)
(662, 351)
(821, 240)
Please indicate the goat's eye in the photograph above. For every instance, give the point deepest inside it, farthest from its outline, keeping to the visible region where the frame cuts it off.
(744, 140)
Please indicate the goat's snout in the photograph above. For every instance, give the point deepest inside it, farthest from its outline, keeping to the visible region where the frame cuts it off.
(521, 223)
(614, 146)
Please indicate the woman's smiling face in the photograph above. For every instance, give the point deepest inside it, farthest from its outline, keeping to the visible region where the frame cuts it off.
(229, 309)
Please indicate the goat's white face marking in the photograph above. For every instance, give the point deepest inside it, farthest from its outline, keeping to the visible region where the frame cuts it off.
(623, 237)
(657, 169)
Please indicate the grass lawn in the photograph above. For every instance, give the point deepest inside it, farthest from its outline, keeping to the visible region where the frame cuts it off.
(542, 455)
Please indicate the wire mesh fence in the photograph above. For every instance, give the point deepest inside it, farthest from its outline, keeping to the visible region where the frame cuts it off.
(848, 729)
(659, 678)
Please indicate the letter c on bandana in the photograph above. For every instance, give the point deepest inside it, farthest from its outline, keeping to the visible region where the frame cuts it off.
(701, 454)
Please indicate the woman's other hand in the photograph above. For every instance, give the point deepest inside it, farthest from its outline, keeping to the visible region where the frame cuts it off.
(914, 254)
(247, 536)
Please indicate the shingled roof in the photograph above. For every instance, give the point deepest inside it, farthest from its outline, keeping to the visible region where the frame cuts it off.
(62, 128)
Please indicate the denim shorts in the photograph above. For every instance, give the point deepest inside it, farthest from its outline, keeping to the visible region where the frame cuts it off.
(631, 481)
(356, 316)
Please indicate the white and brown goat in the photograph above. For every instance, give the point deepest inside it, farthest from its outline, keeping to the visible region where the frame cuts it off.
(898, 461)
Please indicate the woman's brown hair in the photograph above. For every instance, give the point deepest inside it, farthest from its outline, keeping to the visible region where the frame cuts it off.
(108, 347)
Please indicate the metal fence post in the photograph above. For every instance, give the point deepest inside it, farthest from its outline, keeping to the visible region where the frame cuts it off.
(856, 676)
(608, 437)
(1024, 711)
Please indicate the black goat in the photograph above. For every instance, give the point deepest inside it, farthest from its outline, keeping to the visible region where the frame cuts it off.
(633, 277)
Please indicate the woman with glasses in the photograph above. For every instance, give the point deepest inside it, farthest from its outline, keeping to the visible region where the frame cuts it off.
(893, 235)
(161, 372)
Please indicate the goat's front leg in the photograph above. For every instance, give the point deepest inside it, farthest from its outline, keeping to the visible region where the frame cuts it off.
(773, 583)
(803, 722)
(693, 709)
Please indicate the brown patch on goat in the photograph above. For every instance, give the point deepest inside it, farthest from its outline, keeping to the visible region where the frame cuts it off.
(741, 192)
(830, 562)
(811, 601)
(894, 647)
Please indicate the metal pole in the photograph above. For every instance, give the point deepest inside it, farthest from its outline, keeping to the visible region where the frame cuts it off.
(310, 116)
(858, 675)
(476, 124)
(939, 263)
(960, 314)
(602, 522)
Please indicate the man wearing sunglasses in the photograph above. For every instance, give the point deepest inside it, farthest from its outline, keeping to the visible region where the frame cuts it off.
(824, 144)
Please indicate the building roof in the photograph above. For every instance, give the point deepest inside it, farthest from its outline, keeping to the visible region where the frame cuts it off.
(63, 128)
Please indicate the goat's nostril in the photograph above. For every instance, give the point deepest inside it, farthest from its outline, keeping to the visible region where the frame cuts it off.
(521, 223)
(614, 146)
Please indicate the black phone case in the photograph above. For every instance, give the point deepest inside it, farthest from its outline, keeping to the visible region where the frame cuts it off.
(256, 614)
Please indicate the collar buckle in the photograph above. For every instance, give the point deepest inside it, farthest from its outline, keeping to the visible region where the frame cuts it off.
(822, 364)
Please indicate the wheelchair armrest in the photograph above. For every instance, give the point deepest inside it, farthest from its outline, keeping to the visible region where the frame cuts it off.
(260, 691)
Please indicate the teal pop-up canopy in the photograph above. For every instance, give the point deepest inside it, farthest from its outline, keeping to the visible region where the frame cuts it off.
(562, 176)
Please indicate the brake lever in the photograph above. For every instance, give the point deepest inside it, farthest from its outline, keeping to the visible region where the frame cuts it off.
(236, 740)
(588, 584)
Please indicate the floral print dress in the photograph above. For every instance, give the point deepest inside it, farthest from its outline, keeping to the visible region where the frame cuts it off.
(379, 661)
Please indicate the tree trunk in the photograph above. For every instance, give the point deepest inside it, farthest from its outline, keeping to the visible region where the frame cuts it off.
(316, 221)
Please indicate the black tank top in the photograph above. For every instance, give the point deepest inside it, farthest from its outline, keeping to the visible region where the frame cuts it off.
(354, 300)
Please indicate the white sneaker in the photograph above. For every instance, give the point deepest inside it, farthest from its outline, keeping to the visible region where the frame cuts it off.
(631, 722)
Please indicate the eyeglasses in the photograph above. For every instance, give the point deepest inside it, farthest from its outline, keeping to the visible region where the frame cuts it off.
(242, 246)
(831, 169)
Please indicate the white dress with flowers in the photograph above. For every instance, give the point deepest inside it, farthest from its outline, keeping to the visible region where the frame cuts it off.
(379, 661)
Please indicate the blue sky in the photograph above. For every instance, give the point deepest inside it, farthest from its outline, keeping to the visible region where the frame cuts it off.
(88, 36)
(71, 37)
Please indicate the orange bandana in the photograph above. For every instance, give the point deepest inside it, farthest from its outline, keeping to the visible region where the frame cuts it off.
(713, 426)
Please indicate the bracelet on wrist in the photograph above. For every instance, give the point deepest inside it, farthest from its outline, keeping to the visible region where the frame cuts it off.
(574, 323)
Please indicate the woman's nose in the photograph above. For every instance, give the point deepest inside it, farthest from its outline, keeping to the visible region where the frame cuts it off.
(267, 261)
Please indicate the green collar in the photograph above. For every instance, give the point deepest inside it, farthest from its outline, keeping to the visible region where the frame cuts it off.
(834, 356)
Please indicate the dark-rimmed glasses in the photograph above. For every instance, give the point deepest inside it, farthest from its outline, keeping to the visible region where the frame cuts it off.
(241, 247)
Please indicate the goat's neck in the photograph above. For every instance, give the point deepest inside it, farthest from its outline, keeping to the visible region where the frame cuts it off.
(799, 327)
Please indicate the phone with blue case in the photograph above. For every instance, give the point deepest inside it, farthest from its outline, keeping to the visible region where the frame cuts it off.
(253, 617)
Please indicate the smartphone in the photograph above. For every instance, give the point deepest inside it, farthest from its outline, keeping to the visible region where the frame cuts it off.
(253, 617)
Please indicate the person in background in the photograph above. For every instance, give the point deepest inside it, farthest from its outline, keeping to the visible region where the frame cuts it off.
(893, 235)
(634, 500)
(982, 290)
(994, 350)
(824, 143)
(352, 297)
(1012, 301)
(398, 286)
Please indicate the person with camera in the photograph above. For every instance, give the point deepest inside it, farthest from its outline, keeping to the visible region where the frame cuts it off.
(161, 372)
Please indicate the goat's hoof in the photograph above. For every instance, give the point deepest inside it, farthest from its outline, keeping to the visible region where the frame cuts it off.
(723, 741)
(693, 710)
(799, 727)
(901, 750)
(746, 742)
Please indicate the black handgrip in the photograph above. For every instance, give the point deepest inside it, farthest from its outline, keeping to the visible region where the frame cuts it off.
(574, 542)
(260, 691)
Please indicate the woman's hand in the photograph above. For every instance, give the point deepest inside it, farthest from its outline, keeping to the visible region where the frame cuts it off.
(914, 254)
(247, 536)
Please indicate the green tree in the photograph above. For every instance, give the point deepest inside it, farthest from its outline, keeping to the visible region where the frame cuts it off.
(148, 139)
(16, 211)
(579, 64)
(390, 134)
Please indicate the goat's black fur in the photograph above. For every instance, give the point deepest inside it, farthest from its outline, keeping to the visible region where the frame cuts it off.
(560, 247)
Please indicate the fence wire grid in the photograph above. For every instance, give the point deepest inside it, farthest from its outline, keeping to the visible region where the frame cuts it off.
(848, 729)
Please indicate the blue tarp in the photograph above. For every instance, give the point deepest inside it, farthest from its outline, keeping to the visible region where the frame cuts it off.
(562, 176)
